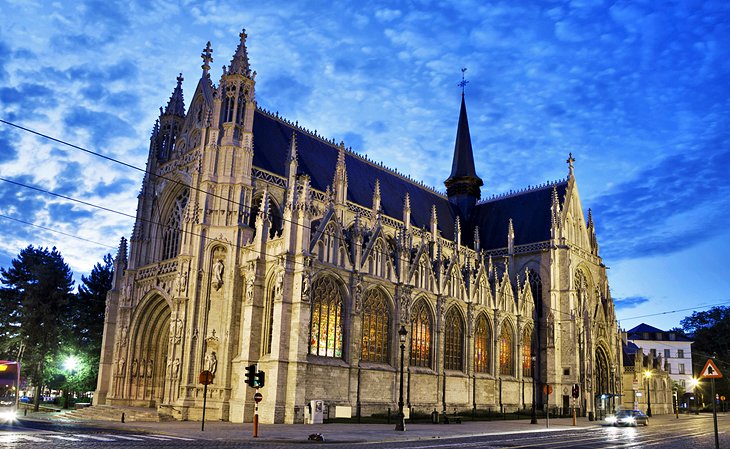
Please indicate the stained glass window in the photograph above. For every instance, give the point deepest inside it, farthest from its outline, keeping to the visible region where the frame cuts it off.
(325, 332)
(375, 325)
(505, 351)
(527, 353)
(420, 335)
(454, 341)
(481, 345)
(173, 227)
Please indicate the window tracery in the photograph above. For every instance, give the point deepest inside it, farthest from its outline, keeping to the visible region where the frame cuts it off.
(505, 351)
(527, 353)
(420, 354)
(454, 341)
(482, 338)
(173, 227)
(325, 330)
(375, 326)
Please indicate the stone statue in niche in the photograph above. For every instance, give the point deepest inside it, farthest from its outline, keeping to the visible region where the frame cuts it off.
(211, 362)
(134, 368)
(120, 366)
(249, 289)
(218, 268)
(150, 366)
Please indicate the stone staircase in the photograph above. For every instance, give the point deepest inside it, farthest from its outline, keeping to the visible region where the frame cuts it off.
(112, 413)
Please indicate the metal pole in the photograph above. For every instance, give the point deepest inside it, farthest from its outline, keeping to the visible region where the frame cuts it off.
(205, 398)
(714, 414)
(401, 423)
(256, 418)
(547, 411)
(648, 399)
(534, 415)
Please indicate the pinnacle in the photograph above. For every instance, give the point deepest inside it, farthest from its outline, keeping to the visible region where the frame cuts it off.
(239, 64)
(176, 104)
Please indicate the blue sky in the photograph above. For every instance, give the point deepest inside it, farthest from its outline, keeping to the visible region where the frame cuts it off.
(637, 90)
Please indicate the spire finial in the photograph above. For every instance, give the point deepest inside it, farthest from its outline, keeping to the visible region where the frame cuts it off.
(463, 81)
(239, 64)
(207, 56)
(176, 104)
(570, 161)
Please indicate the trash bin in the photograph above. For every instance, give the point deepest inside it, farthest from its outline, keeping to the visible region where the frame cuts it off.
(316, 415)
(590, 416)
(434, 417)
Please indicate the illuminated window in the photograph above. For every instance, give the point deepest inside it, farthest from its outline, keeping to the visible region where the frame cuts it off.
(505, 351)
(375, 325)
(173, 228)
(527, 353)
(454, 341)
(420, 335)
(481, 345)
(325, 331)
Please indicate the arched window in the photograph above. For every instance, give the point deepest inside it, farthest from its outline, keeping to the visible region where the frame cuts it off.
(505, 351)
(375, 325)
(481, 345)
(420, 335)
(325, 331)
(453, 341)
(527, 353)
(173, 227)
(269, 321)
(536, 290)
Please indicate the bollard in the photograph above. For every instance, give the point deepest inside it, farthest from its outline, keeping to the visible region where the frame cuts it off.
(122, 417)
(388, 415)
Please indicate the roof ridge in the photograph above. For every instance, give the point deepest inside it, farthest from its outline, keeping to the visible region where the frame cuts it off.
(529, 188)
(350, 151)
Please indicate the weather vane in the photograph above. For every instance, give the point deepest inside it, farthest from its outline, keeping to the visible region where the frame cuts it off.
(463, 81)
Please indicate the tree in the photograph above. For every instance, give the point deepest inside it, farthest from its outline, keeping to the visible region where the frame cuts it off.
(34, 302)
(710, 331)
(87, 325)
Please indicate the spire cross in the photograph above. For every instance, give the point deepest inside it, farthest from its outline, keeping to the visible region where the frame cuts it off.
(243, 35)
(463, 81)
(179, 80)
(207, 57)
(570, 161)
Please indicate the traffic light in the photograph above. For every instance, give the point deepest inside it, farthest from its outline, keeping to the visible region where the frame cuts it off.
(260, 379)
(576, 390)
(251, 375)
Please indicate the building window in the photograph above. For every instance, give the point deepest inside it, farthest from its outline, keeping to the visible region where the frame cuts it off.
(375, 325)
(505, 351)
(680, 353)
(454, 341)
(420, 336)
(681, 368)
(653, 352)
(669, 369)
(566, 371)
(672, 336)
(269, 313)
(527, 353)
(667, 354)
(325, 331)
(481, 345)
(646, 335)
(173, 227)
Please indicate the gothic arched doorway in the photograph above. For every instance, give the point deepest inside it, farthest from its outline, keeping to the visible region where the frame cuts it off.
(603, 393)
(148, 355)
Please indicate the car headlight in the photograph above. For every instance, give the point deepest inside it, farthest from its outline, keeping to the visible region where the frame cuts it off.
(630, 420)
(611, 419)
(7, 416)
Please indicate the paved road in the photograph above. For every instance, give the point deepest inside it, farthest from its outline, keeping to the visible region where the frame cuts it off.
(689, 432)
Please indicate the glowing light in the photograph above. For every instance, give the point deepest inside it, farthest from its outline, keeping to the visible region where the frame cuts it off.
(71, 363)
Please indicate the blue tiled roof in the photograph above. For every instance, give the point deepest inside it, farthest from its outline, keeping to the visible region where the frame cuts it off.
(529, 210)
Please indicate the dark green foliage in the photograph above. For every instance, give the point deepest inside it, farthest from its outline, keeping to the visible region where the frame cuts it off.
(710, 331)
(34, 306)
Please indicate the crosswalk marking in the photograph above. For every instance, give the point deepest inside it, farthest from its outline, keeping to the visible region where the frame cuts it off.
(93, 437)
(12, 438)
(65, 438)
(124, 437)
(154, 438)
(175, 438)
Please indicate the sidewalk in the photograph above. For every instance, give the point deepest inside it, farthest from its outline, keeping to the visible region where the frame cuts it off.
(341, 433)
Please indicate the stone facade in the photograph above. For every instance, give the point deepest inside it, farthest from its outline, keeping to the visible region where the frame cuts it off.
(257, 241)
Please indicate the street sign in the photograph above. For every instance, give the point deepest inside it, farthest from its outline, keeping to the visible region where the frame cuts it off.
(710, 371)
(258, 397)
(206, 377)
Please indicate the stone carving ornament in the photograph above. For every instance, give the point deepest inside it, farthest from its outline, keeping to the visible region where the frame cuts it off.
(218, 268)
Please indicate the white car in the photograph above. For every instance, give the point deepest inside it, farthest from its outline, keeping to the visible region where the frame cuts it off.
(628, 418)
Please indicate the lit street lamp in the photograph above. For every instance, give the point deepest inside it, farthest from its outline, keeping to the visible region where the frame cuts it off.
(534, 386)
(70, 365)
(647, 374)
(401, 424)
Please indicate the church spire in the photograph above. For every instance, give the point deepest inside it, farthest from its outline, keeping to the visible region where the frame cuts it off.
(176, 104)
(462, 186)
(207, 56)
(239, 64)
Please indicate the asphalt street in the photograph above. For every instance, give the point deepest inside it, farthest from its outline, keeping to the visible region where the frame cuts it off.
(687, 432)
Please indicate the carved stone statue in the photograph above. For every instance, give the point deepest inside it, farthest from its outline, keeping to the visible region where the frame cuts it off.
(249, 289)
(218, 268)
(211, 362)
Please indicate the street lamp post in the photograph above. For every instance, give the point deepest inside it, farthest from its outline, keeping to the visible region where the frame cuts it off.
(401, 423)
(647, 374)
(534, 387)
(70, 364)
(613, 389)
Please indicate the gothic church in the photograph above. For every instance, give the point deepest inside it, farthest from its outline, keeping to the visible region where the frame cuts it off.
(258, 241)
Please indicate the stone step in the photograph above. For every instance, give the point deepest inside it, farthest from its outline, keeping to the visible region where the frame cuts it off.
(112, 413)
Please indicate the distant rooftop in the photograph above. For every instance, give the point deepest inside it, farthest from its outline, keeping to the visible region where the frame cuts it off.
(645, 332)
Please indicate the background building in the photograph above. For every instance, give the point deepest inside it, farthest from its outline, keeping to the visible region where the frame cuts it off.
(675, 351)
(258, 241)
